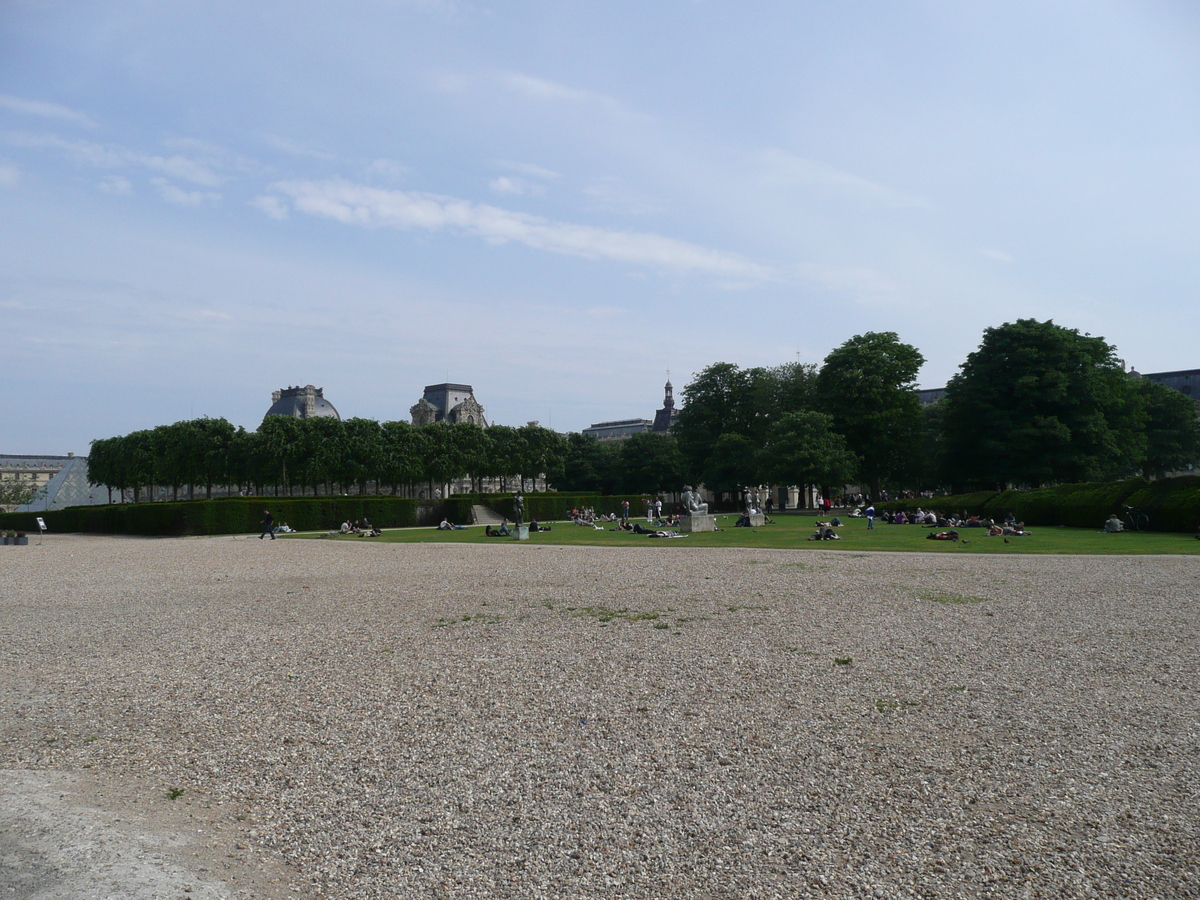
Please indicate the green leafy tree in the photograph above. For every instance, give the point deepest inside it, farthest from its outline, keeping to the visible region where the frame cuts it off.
(588, 464)
(505, 448)
(651, 462)
(733, 463)
(403, 454)
(17, 491)
(1172, 431)
(868, 387)
(443, 458)
(718, 400)
(324, 452)
(803, 448)
(364, 452)
(1038, 403)
(213, 453)
(281, 449)
(540, 451)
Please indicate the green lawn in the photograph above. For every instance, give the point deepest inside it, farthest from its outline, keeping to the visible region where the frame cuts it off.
(792, 532)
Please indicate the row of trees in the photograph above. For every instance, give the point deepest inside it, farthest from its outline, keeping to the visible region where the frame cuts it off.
(1035, 404)
(320, 454)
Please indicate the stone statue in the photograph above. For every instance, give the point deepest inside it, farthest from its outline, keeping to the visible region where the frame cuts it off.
(748, 500)
(758, 501)
(519, 509)
(692, 504)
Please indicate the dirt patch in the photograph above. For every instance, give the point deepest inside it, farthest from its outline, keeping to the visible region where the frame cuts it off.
(78, 835)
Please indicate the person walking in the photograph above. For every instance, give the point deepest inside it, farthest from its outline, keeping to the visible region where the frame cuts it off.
(268, 524)
(870, 517)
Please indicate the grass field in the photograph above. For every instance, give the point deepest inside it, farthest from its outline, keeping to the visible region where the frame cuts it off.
(792, 532)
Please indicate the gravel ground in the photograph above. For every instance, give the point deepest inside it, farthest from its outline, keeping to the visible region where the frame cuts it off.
(523, 721)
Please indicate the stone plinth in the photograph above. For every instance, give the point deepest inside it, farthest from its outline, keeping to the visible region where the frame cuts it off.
(757, 519)
(688, 524)
(521, 532)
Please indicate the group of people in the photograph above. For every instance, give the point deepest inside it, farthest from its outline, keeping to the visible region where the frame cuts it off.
(363, 528)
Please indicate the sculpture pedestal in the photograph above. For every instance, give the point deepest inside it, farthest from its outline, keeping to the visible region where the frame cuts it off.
(757, 519)
(689, 524)
(520, 532)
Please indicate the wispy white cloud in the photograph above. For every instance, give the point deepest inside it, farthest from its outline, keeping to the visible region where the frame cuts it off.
(174, 194)
(388, 168)
(113, 156)
(374, 207)
(272, 206)
(529, 169)
(506, 184)
(294, 148)
(545, 91)
(780, 168)
(999, 255)
(115, 184)
(9, 174)
(612, 195)
(45, 109)
(861, 283)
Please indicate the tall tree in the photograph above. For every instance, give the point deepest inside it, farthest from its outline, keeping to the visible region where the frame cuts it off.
(734, 462)
(651, 462)
(1039, 403)
(588, 464)
(1172, 431)
(868, 387)
(718, 400)
(802, 448)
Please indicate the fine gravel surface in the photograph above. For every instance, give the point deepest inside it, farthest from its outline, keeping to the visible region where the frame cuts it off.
(333, 719)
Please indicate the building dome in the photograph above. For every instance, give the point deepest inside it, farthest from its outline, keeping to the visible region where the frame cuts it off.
(306, 402)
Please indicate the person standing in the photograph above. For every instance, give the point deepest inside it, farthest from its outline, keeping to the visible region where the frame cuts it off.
(624, 510)
(658, 508)
(268, 524)
(870, 516)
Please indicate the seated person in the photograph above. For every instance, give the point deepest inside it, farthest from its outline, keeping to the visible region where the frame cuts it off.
(995, 531)
(503, 530)
(444, 525)
(742, 522)
(345, 529)
(1113, 525)
(900, 519)
(835, 522)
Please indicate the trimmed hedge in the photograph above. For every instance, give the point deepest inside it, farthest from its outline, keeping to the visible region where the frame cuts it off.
(1172, 504)
(548, 507)
(235, 515)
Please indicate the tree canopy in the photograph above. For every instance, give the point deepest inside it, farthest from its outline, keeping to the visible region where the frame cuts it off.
(868, 388)
(1039, 403)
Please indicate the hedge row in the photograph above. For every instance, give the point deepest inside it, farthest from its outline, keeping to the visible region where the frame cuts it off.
(543, 507)
(1172, 504)
(238, 515)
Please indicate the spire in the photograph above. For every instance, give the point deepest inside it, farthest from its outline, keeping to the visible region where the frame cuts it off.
(669, 396)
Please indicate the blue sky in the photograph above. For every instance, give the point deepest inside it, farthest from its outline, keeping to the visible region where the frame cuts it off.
(558, 202)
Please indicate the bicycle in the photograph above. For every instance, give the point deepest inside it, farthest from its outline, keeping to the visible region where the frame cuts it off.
(1135, 519)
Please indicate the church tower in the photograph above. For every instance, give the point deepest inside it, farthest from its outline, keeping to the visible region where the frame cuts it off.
(665, 416)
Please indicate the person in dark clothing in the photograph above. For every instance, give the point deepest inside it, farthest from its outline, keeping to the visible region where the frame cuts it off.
(268, 524)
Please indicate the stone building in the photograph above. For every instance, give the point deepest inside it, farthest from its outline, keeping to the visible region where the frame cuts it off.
(448, 403)
(620, 429)
(306, 402)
